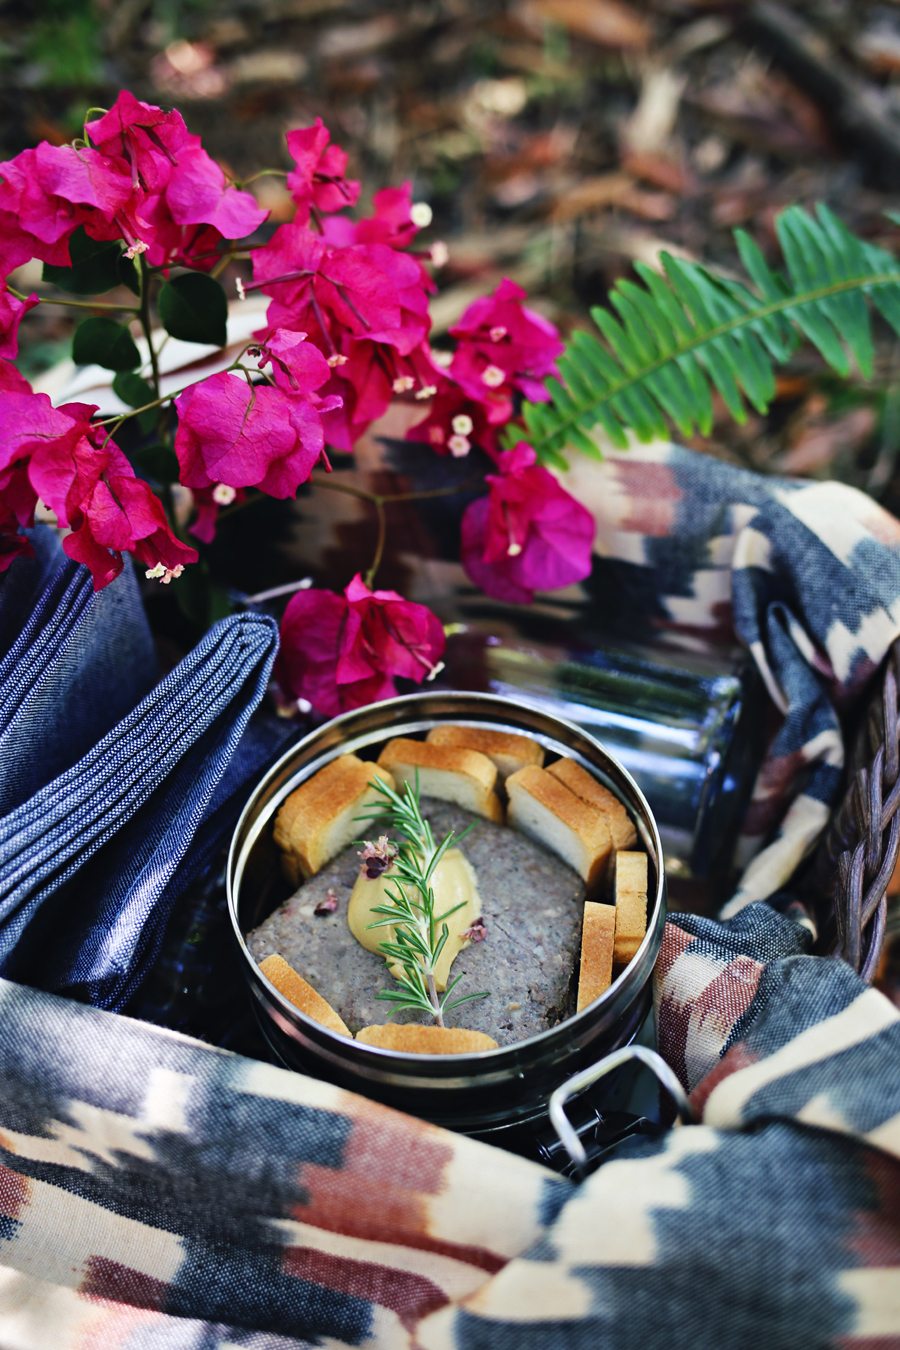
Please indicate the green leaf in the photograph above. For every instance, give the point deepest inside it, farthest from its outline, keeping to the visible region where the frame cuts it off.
(95, 266)
(133, 390)
(668, 340)
(103, 342)
(156, 462)
(193, 307)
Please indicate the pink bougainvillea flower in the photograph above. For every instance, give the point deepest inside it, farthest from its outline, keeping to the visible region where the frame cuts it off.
(146, 137)
(52, 189)
(341, 652)
(198, 194)
(296, 365)
(455, 423)
(240, 436)
(364, 381)
(500, 342)
(364, 291)
(208, 502)
(12, 380)
(12, 312)
(180, 205)
(17, 247)
(528, 534)
(29, 421)
(391, 222)
(88, 483)
(319, 181)
(17, 502)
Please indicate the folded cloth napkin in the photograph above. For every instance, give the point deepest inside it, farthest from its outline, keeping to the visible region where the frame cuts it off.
(76, 662)
(92, 862)
(156, 1192)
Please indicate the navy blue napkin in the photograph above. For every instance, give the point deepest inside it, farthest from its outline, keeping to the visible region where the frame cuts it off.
(93, 859)
(75, 663)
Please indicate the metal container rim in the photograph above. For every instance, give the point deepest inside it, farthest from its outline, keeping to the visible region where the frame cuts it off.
(260, 808)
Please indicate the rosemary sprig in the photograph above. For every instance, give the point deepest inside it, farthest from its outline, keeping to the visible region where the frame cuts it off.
(419, 935)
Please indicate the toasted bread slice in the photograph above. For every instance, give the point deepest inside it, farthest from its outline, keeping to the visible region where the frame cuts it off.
(543, 807)
(448, 772)
(597, 939)
(508, 750)
(321, 817)
(585, 786)
(417, 1040)
(631, 905)
(297, 991)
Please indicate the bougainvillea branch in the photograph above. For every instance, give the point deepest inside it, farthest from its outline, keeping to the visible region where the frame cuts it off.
(137, 208)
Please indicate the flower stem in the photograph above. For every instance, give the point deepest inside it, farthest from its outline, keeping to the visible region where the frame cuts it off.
(379, 545)
(382, 499)
(146, 322)
(77, 304)
(261, 173)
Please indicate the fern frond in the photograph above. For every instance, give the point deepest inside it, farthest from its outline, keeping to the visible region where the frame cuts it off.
(669, 339)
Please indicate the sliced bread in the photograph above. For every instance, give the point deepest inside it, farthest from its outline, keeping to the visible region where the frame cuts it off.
(432, 1040)
(508, 750)
(448, 772)
(322, 816)
(597, 939)
(585, 786)
(299, 992)
(543, 807)
(631, 905)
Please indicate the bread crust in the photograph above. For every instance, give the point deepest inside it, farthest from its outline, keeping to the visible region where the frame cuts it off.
(411, 1038)
(631, 905)
(508, 750)
(301, 993)
(594, 794)
(304, 821)
(444, 770)
(597, 939)
(590, 835)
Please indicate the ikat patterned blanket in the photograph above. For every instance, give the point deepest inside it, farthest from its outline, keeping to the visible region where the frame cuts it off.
(159, 1194)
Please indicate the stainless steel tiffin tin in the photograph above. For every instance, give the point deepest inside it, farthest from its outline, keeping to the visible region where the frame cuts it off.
(485, 1094)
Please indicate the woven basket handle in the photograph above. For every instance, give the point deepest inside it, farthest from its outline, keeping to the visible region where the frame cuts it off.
(855, 860)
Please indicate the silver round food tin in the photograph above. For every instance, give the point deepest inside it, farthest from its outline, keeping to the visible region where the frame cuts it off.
(483, 1093)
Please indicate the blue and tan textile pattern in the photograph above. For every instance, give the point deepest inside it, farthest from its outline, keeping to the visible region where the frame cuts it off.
(156, 1193)
(805, 574)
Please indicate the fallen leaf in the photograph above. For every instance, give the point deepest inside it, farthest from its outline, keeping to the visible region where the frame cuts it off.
(590, 195)
(662, 171)
(608, 23)
(817, 447)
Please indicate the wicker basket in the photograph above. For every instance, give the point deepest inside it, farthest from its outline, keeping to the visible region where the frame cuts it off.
(855, 861)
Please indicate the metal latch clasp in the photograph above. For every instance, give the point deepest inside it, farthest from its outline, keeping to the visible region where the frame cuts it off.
(566, 1133)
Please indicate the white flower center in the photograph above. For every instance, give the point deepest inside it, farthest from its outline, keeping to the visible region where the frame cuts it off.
(463, 424)
(164, 574)
(421, 215)
(493, 377)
